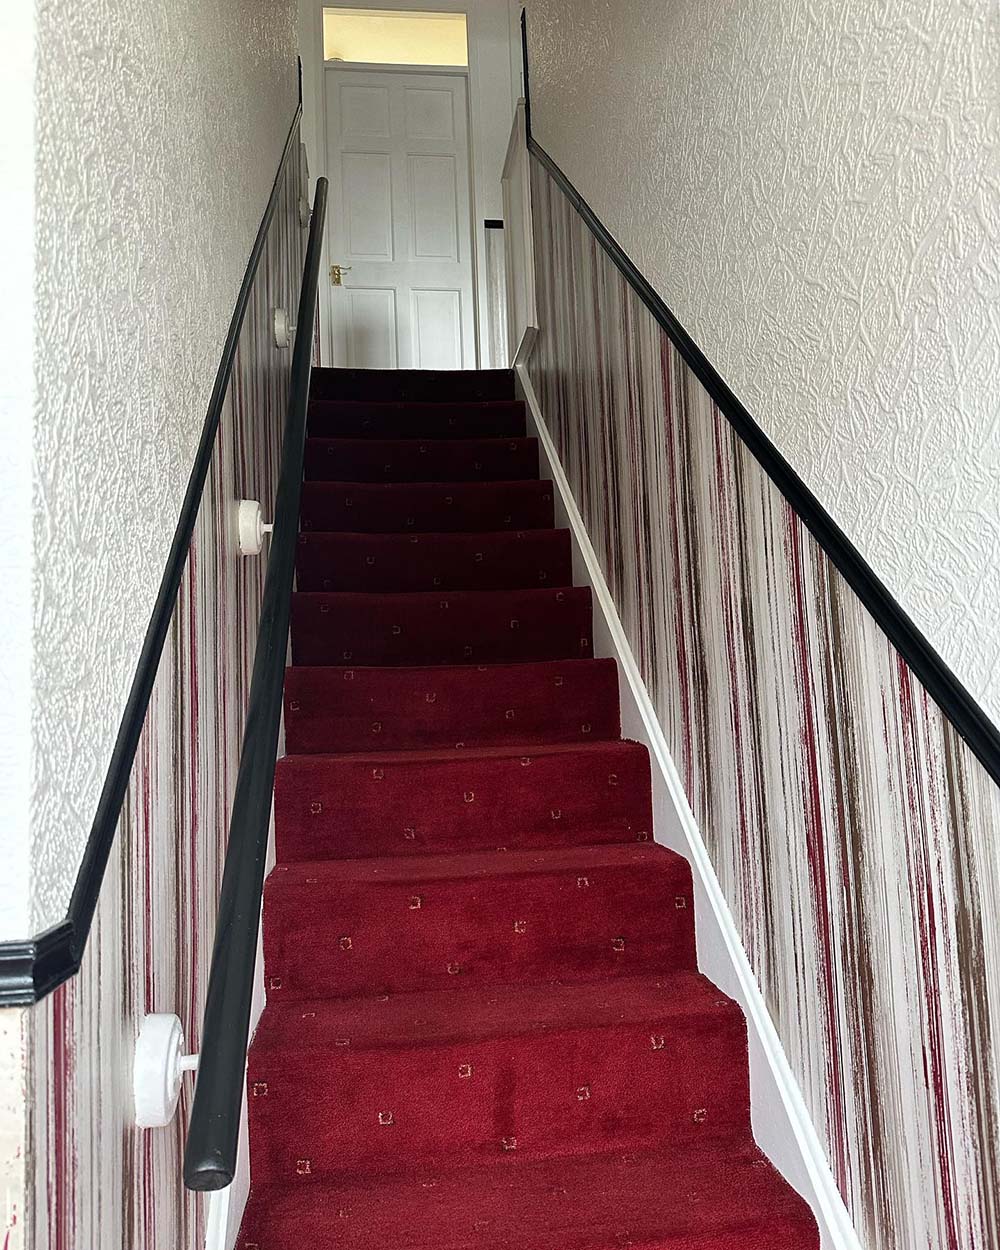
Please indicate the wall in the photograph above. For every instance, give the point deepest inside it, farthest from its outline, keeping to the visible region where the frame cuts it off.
(140, 150)
(814, 189)
(97, 1180)
(13, 1127)
(853, 833)
(159, 130)
(491, 107)
(16, 209)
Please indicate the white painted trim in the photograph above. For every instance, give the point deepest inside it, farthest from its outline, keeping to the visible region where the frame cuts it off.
(217, 1220)
(226, 1206)
(390, 67)
(781, 1122)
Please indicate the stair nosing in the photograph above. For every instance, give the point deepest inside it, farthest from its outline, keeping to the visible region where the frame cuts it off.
(535, 861)
(451, 755)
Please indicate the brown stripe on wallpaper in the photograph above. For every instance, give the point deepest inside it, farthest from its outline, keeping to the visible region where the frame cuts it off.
(856, 837)
(99, 1182)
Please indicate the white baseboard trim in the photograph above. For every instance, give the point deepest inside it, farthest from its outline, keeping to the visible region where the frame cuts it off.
(226, 1206)
(781, 1122)
(217, 1220)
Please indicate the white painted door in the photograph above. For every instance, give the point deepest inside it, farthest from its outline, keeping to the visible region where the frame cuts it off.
(399, 222)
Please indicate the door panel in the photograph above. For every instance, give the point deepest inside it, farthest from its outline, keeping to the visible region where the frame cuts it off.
(399, 224)
(368, 217)
(364, 111)
(433, 208)
(437, 329)
(430, 113)
(371, 329)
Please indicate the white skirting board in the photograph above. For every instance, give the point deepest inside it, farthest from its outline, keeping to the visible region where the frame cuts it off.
(781, 1122)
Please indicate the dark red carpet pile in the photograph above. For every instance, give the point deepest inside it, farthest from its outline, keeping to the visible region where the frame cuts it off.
(484, 1026)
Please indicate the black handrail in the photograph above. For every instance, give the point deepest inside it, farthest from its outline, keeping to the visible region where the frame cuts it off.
(32, 967)
(210, 1156)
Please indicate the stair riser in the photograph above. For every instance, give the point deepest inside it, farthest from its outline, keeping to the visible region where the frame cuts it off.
(421, 508)
(409, 421)
(374, 563)
(414, 385)
(649, 1085)
(369, 1226)
(441, 460)
(363, 710)
(447, 629)
(332, 809)
(350, 938)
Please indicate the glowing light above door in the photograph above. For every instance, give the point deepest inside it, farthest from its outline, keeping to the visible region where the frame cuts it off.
(395, 37)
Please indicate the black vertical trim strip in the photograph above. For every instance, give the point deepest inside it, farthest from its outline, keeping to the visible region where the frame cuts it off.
(968, 717)
(33, 967)
(524, 74)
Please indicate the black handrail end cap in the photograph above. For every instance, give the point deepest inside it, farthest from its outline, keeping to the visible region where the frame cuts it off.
(206, 1177)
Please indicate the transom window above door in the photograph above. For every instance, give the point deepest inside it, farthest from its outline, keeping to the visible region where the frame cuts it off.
(395, 37)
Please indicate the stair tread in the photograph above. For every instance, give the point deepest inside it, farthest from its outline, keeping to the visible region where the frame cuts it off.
(430, 1017)
(722, 1195)
(516, 668)
(414, 444)
(515, 485)
(448, 755)
(412, 598)
(484, 864)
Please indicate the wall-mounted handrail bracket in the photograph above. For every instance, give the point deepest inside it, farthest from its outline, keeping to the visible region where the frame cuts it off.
(158, 1069)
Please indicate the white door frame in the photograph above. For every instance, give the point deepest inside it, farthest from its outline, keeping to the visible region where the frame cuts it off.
(477, 263)
(494, 87)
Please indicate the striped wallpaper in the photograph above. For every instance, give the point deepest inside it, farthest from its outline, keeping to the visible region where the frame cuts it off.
(856, 837)
(97, 1181)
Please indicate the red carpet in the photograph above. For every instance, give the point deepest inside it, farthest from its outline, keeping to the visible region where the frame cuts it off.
(426, 507)
(484, 1029)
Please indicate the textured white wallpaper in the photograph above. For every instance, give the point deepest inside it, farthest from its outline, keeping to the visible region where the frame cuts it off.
(814, 189)
(16, 206)
(160, 126)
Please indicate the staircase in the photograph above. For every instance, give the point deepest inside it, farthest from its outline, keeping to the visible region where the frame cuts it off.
(484, 1024)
